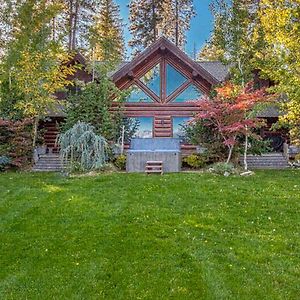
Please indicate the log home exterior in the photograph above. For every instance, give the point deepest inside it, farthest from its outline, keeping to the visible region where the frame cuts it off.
(164, 81)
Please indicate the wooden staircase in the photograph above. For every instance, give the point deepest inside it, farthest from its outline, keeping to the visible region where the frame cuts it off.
(266, 161)
(154, 167)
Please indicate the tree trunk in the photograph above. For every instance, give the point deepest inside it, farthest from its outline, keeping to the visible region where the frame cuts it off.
(246, 150)
(35, 132)
(70, 24)
(75, 25)
(154, 21)
(229, 154)
(176, 24)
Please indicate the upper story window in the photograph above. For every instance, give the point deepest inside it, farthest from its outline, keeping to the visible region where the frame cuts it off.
(178, 124)
(152, 79)
(137, 95)
(174, 79)
(191, 93)
(162, 83)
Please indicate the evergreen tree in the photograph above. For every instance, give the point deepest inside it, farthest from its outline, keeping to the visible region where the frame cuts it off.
(106, 39)
(145, 17)
(175, 20)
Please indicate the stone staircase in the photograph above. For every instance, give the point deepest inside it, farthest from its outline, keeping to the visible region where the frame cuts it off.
(48, 163)
(267, 161)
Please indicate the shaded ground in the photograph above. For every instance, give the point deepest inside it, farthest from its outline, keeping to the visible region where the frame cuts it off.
(178, 236)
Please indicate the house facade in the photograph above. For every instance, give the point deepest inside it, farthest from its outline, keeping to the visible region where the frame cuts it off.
(164, 82)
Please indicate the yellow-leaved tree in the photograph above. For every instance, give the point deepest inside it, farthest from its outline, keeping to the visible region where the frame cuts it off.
(280, 58)
(34, 66)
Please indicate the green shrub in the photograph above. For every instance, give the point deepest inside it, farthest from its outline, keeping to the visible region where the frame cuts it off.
(195, 161)
(4, 162)
(81, 149)
(222, 168)
(120, 162)
(297, 157)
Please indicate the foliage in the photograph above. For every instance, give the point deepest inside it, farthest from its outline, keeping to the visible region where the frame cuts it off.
(208, 137)
(232, 113)
(81, 148)
(106, 38)
(4, 162)
(16, 141)
(99, 103)
(259, 146)
(195, 161)
(222, 168)
(34, 66)
(175, 21)
(210, 52)
(279, 60)
(147, 17)
(120, 162)
(233, 36)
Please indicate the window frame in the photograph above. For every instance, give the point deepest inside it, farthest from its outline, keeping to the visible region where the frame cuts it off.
(153, 127)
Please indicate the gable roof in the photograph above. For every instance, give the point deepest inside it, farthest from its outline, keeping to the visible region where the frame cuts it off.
(208, 71)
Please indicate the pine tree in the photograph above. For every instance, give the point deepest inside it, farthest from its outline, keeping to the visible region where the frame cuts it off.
(145, 17)
(106, 39)
(175, 20)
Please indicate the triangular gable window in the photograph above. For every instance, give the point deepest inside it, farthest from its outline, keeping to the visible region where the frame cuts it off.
(174, 79)
(137, 96)
(152, 79)
(191, 93)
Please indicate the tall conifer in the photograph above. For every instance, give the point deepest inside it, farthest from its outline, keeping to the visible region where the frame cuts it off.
(176, 19)
(106, 38)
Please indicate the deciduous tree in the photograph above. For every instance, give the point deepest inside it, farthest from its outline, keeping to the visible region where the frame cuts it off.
(279, 60)
(232, 113)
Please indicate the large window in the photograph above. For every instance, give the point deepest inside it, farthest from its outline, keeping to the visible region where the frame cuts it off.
(174, 79)
(137, 95)
(151, 87)
(145, 127)
(178, 123)
(152, 79)
(192, 93)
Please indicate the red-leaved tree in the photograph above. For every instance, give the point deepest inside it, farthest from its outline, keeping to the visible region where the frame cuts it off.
(232, 111)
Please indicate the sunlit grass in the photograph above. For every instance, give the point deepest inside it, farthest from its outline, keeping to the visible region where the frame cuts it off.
(131, 236)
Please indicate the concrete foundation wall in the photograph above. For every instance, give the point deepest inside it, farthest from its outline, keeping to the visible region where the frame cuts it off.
(136, 160)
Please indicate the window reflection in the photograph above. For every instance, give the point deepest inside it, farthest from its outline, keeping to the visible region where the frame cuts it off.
(145, 127)
(152, 79)
(178, 123)
(192, 93)
(174, 79)
(137, 95)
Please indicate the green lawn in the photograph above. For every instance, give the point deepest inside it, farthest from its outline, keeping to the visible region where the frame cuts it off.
(178, 236)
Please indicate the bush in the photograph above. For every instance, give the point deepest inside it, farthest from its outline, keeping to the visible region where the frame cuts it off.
(222, 168)
(297, 157)
(81, 149)
(4, 162)
(195, 161)
(120, 162)
(16, 141)
(199, 134)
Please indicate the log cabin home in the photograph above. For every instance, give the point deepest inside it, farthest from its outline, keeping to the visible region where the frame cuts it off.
(164, 82)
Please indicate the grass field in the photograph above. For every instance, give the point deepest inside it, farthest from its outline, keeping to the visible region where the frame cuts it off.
(178, 236)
